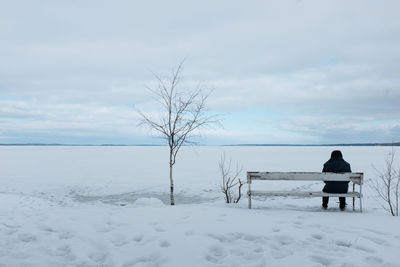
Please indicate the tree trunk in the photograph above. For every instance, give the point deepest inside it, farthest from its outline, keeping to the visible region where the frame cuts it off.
(171, 180)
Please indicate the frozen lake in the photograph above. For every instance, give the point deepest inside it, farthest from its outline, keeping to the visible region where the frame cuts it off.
(130, 172)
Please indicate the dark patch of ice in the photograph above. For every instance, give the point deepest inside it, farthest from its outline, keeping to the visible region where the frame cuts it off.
(130, 197)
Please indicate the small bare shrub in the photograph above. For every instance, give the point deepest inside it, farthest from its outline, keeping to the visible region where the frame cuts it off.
(230, 181)
(182, 116)
(387, 185)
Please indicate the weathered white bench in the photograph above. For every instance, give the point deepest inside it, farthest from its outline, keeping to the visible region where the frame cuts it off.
(356, 178)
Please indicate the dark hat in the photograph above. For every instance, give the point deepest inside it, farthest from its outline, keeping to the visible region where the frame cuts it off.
(336, 154)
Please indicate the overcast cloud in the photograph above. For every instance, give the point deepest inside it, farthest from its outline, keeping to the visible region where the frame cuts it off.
(309, 72)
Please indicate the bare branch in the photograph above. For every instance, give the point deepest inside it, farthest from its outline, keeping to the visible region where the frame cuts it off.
(240, 191)
(158, 127)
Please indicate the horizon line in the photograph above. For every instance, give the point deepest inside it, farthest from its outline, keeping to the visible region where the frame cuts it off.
(249, 144)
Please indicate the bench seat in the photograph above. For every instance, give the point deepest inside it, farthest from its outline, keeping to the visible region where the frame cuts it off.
(303, 194)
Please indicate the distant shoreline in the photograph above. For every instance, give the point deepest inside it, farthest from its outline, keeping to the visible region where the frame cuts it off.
(119, 145)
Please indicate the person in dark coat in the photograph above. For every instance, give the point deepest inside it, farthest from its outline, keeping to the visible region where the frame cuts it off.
(338, 165)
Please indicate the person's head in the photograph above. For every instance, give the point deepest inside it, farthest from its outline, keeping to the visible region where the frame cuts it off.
(336, 154)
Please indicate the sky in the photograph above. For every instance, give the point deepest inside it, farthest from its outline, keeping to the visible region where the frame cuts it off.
(279, 72)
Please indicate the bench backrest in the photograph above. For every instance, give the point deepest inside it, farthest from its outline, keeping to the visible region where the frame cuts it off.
(307, 176)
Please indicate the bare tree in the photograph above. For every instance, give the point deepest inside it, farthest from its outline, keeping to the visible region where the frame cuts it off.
(182, 115)
(387, 185)
(230, 179)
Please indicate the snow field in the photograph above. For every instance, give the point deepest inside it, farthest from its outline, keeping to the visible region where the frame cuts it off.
(91, 206)
(149, 233)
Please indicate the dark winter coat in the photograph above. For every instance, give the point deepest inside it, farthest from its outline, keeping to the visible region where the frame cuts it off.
(338, 165)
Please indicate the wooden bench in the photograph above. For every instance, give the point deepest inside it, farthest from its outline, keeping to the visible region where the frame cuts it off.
(356, 178)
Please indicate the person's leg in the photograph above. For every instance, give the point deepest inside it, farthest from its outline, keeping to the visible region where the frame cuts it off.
(325, 201)
(342, 201)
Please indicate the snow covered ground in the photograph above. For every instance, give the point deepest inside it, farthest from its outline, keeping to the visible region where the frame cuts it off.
(103, 206)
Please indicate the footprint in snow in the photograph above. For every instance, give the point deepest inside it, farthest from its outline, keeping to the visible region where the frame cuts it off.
(323, 260)
(66, 252)
(238, 252)
(47, 229)
(215, 254)
(138, 238)
(317, 236)
(376, 240)
(65, 235)
(222, 238)
(364, 248)
(374, 261)
(10, 231)
(343, 243)
(12, 226)
(63, 250)
(284, 240)
(98, 257)
(279, 253)
(189, 232)
(259, 250)
(106, 228)
(253, 238)
(164, 244)
(119, 240)
(27, 237)
(152, 260)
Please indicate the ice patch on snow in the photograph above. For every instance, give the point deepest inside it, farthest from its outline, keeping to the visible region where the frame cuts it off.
(124, 199)
(149, 201)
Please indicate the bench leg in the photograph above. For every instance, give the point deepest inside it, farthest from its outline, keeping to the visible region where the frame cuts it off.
(353, 197)
(249, 202)
(360, 198)
(249, 192)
